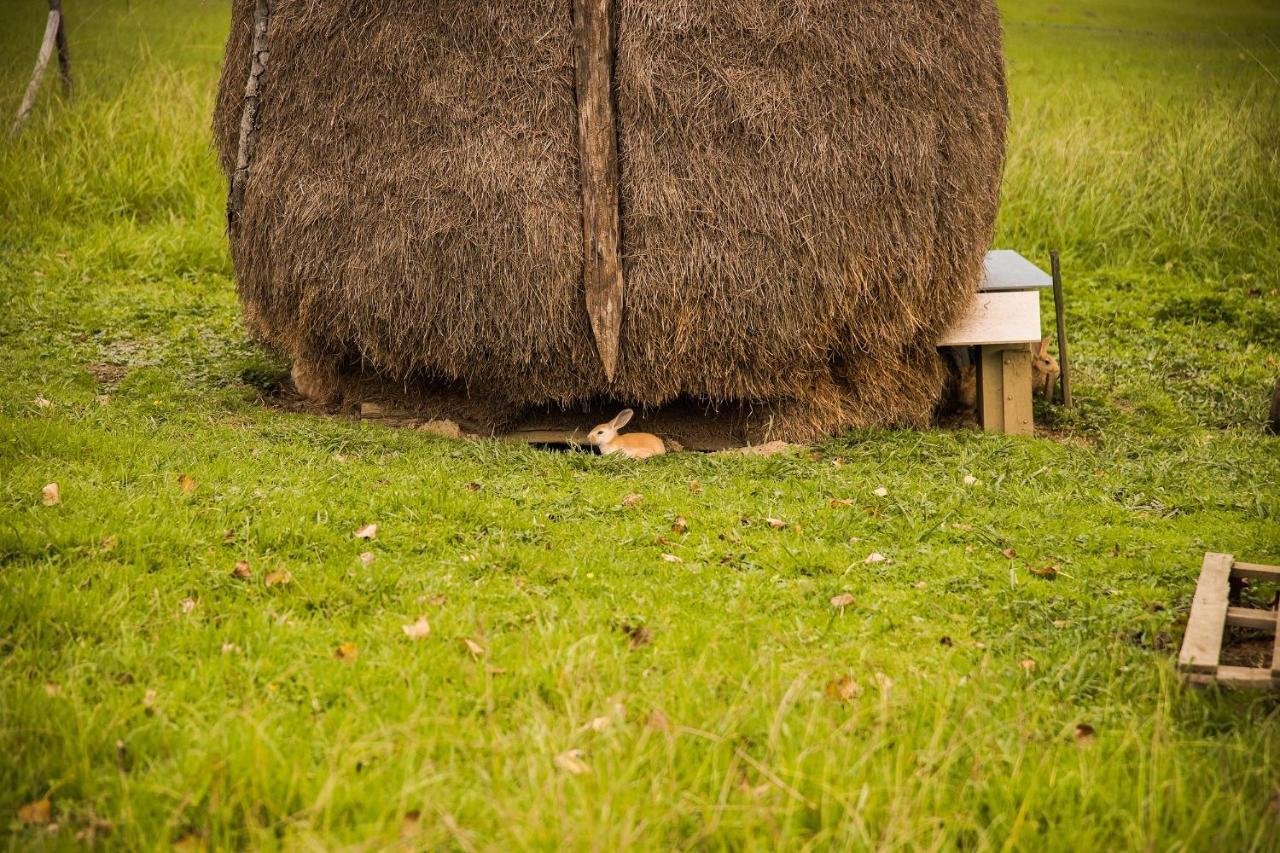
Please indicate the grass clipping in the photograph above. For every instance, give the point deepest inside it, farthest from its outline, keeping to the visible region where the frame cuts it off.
(808, 191)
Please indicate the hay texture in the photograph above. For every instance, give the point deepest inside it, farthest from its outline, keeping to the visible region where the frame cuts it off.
(808, 191)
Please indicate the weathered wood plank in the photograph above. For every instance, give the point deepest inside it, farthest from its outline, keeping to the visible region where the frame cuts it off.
(37, 76)
(64, 52)
(1202, 644)
(1018, 419)
(990, 368)
(997, 318)
(599, 170)
(1245, 677)
(249, 114)
(1275, 649)
(1251, 617)
(1256, 571)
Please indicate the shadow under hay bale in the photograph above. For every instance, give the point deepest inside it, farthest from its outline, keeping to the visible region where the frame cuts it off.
(806, 199)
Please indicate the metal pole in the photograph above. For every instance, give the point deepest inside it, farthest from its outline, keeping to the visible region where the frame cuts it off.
(1060, 309)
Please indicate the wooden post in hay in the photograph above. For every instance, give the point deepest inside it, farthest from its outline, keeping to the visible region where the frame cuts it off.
(249, 113)
(598, 159)
(1211, 615)
(55, 35)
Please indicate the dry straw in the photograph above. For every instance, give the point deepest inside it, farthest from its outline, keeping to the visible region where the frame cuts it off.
(808, 189)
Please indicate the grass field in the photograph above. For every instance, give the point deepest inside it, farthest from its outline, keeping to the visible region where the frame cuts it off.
(611, 697)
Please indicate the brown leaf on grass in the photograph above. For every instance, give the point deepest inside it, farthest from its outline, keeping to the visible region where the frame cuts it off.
(188, 604)
(42, 402)
(1027, 664)
(346, 652)
(474, 487)
(658, 721)
(52, 688)
(695, 487)
(187, 483)
(680, 525)
(571, 762)
(417, 630)
(228, 536)
(50, 495)
(843, 600)
(843, 689)
(280, 577)
(1085, 734)
(881, 492)
(946, 641)
(366, 558)
(369, 531)
(875, 557)
(436, 600)
(1044, 571)
(242, 571)
(149, 698)
(473, 648)
(775, 523)
(632, 500)
(970, 480)
(36, 813)
(1009, 553)
(108, 543)
(836, 503)
(672, 558)
(637, 635)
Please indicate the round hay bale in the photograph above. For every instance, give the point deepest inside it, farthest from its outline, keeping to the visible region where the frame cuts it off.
(808, 189)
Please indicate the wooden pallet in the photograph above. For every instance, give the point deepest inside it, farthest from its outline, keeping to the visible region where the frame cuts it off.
(1212, 614)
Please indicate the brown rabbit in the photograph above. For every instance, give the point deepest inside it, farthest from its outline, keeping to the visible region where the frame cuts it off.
(636, 445)
(1045, 369)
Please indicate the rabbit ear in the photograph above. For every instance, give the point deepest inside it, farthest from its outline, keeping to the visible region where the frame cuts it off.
(1044, 345)
(623, 418)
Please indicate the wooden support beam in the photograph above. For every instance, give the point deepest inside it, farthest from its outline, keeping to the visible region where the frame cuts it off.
(249, 113)
(1018, 418)
(1202, 644)
(51, 27)
(1251, 617)
(1275, 649)
(1256, 572)
(598, 166)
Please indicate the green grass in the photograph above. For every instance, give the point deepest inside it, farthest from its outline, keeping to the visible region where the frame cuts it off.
(1144, 144)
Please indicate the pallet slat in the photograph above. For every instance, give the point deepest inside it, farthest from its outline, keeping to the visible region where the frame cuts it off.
(1236, 676)
(1202, 645)
(1251, 617)
(1256, 571)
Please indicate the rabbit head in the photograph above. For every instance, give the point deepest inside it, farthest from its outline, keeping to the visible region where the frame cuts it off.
(606, 433)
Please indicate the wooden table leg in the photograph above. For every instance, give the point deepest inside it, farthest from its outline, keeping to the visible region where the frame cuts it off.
(1004, 390)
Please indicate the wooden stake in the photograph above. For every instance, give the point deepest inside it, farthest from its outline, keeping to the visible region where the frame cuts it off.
(1061, 311)
(249, 115)
(64, 53)
(51, 29)
(598, 166)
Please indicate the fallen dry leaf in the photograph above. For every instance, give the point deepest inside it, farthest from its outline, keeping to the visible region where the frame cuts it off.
(695, 487)
(680, 525)
(775, 523)
(843, 689)
(50, 495)
(437, 600)
(970, 480)
(881, 492)
(346, 652)
(474, 648)
(42, 402)
(281, 577)
(1085, 734)
(35, 814)
(571, 762)
(1044, 571)
(672, 558)
(187, 483)
(366, 558)
(417, 630)
(52, 688)
(188, 604)
(1027, 664)
(921, 584)
(839, 502)
(844, 599)
(632, 500)
(149, 698)
(1009, 553)
(474, 487)
(369, 531)
(884, 682)
(658, 721)
(242, 572)
(109, 543)
(875, 557)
